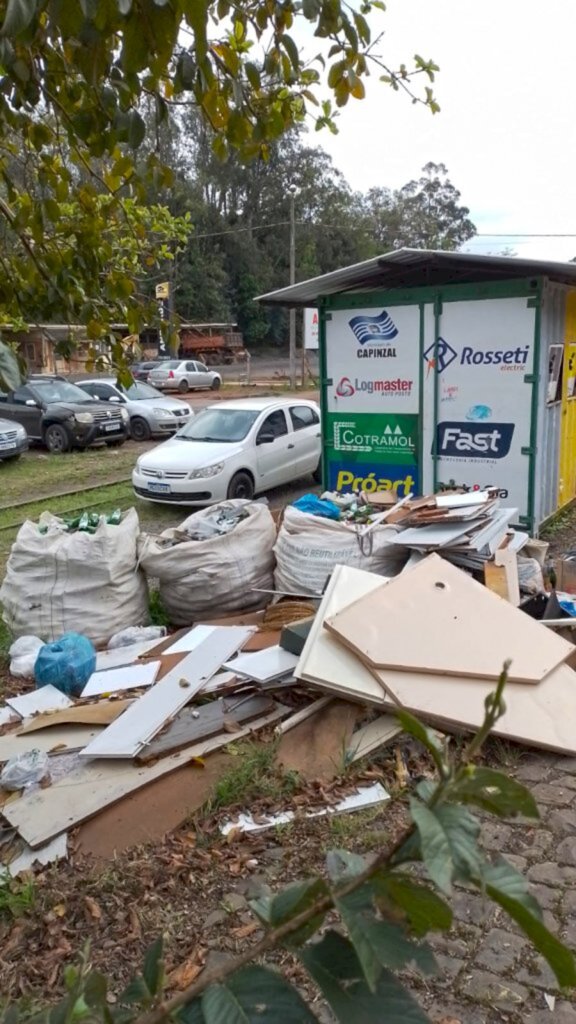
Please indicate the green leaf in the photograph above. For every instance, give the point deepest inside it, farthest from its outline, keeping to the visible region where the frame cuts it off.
(495, 792)
(462, 830)
(191, 1013)
(136, 129)
(153, 970)
(503, 877)
(19, 14)
(95, 988)
(293, 901)
(434, 845)
(334, 966)
(415, 728)
(343, 866)
(136, 993)
(558, 955)
(197, 17)
(423, 908)
(255, 995)
(11, 375)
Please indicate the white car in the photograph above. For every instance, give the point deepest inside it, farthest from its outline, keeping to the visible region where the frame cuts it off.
(233, 450)
(150, 412)
(183, 375)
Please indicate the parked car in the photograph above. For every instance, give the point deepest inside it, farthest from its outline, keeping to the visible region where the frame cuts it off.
(149, 411)
(141, 370)
(184, 375)
(13, 440)
(233, 450)
(60, 414)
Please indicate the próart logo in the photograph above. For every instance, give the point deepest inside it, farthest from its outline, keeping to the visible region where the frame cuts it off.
(464, 440)
(345, 389)
(374, 329)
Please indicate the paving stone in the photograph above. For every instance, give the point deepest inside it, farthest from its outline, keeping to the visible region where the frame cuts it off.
(450, 966)
(547, 896)
(234, 901)
(568, 934)
(562, 1014)
(538, 974)
(567, 765)
(496, 836)
(569, 903)
(470, 908)
(534, 843)
(441, 1013)
(552, 874)
(534, 771)
(557, 795)
(569, 781)
(493, 991)
(454, 945)
(565, 852)
(518, 862)
(216, 917)
(562, 820)
(499, 950)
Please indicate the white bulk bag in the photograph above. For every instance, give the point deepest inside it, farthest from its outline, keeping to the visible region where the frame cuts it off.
(309, 547)
(58, 582)
(217, 575)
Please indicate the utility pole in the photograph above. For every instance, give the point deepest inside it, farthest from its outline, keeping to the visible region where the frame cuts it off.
(292, 322)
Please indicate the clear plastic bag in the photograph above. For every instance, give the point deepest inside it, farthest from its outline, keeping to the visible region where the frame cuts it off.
(136, 635)
(23, 654)
(24, 770)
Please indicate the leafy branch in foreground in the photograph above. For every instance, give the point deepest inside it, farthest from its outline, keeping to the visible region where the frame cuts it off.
(386, 907)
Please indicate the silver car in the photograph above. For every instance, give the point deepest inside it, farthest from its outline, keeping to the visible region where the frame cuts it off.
(184, 375)
(13, 440)
(149, 411)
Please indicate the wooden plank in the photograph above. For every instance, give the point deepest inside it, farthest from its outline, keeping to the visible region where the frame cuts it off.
(45, 698)
(129, 677)
(302, 715)
(102, 713)
(125, 737)
(463, 629)
(372, 736)
(45, 813)
(62, 740)
(194, 724)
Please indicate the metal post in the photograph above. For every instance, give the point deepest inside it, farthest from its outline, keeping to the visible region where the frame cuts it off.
(292, 321)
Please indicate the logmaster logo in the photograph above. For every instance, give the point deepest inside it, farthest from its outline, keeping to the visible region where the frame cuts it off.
(374, 329)
(345, 389)
(439, 356)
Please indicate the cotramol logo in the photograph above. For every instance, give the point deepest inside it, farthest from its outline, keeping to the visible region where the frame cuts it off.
(483, 441)
(378, 330)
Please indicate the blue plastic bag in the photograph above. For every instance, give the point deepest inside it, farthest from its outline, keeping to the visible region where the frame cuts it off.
(317, 507)
(66, 664)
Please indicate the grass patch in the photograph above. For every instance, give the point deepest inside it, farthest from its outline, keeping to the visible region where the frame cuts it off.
(39, 472)
(563, 520)
(256, 774)
(158, 615)
(16, 897)
(346, 827)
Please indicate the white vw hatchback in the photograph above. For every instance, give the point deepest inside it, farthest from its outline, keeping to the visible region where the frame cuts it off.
(233, 450)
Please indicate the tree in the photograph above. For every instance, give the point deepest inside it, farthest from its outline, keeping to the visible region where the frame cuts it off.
(423, 214)
(75, 75)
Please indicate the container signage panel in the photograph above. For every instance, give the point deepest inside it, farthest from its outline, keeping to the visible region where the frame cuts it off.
(483, 406)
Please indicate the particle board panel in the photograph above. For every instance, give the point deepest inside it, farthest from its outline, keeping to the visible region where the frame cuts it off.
(325, 662)
(45, 813)
(61, 740)
(372, 736)
(129, 677)
(102, 713)
(263, 665)
(125, 737)
(314, 748)
(45, 698)
(460, 627)
(539, 716)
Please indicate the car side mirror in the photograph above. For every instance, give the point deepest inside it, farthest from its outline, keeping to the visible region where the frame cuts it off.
(115, 398)
(265, 438)
(31, 403)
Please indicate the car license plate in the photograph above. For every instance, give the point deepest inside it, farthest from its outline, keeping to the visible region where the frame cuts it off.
(159, 488)
(111, 426)
(7, 445)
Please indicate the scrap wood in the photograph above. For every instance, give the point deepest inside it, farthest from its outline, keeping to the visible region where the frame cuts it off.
(45, 813)
(193, 724)
(302, 715)
(63, 739)
(114, 680)
(101, 713)
(46, 698)
(372, 736)
(315, 748)
(26, 858)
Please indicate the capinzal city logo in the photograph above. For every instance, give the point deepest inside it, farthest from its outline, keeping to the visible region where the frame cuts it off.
(374, 334)
(481, 441)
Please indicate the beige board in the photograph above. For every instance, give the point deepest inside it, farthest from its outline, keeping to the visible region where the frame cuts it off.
(539, 716)
(45, 813)
(61, 740)
(437, 619)
(102, 713)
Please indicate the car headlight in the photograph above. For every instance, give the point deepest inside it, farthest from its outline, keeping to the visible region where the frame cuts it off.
(198, 474)
(84, 417)
(20, 432)
(163, 413)
(124, 415)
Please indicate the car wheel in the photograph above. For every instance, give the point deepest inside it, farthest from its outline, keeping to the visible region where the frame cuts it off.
(139, 429)
(215, 385)
(241, 486)
(57, 438)
(183, 386)
(317, 474)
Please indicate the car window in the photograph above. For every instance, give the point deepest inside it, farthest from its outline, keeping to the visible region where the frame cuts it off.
(191, 367)
(22, 395)
(103, 391)
(168, 364)
(137, 392)
(59, 391)
(225, 425)
(303, 416)
(275, 424)
(202, 368)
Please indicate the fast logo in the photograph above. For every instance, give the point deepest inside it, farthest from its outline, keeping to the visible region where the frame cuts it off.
(465, 440)
(377, 330)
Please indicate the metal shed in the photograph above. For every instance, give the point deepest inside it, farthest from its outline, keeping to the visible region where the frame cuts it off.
(441, 368)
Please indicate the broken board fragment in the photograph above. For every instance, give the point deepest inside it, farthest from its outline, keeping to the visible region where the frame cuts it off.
(102, 713)
(360, 800)
(463, 628)
(61, 740)
(194, 724)
(263, 665)
(142, 673)
(371, 737)
(45, 698)
(315, 748)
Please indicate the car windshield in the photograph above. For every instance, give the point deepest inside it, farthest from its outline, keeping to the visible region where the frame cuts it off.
(225, 425)
(168, 364)
(60, 391)
(137, 392)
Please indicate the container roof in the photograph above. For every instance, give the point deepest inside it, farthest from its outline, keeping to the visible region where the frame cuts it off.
(412, 268)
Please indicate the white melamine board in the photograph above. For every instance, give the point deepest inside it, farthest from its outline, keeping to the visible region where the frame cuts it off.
(491, 535)
(437, 619)
(372, 736)
(436, 536)
(45, 813)
(57, 849)
(59, 740)
(194, 637)
(127, 678)
(462, 500)
(126, 736)
(8, 715)
(46, 698)
(263, 665)
(539, 716)
(119, 656)
(327, 663)
(360, 800)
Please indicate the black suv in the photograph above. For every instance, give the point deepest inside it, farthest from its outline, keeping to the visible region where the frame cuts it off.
(62, 416)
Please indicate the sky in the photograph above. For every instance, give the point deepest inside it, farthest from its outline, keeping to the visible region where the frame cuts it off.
(507, 126)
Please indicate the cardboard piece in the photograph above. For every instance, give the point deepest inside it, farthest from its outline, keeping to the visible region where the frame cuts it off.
(316, 747)
(102, 713)
(463, 628)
